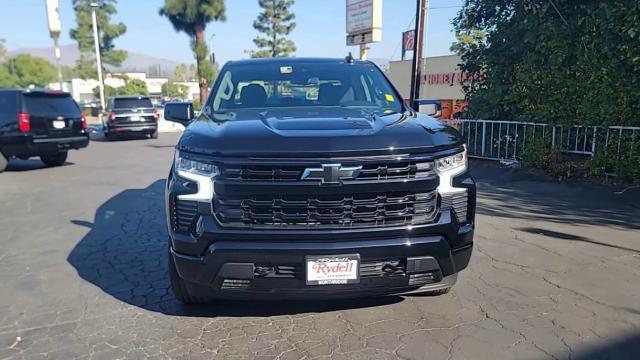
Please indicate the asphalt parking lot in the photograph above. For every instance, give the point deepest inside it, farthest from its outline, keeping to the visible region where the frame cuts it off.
(555, 274)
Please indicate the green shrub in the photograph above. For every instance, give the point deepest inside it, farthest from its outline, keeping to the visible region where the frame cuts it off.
(197, 105)
(538, 154)
(626, 168)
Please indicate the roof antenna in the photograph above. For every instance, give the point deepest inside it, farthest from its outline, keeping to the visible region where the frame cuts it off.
(349, 58)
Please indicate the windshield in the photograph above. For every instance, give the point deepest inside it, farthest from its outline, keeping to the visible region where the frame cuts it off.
(271, 86)
(132, 103)
(51, 105)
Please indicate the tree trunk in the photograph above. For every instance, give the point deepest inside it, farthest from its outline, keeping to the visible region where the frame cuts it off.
(200, 62)
(273, 28)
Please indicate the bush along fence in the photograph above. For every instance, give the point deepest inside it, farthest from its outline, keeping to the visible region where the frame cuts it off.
(613, 150)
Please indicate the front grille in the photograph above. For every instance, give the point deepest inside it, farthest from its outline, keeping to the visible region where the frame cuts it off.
(231, 284)
(327, 211)
(388, 267)
(184, 213)
(372, 170)
(368, 269)
(458, 202)
(278, 271)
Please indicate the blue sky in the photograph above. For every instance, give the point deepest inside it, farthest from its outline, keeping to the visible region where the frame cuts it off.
(320, 28)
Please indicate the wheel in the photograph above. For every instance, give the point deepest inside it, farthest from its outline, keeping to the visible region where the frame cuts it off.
(3, 162)
(179, 286)
(154, 135)
(54, 159)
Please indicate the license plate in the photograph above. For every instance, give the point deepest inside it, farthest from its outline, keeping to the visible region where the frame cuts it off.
(333, 269)
(59, 124)
(135, 118)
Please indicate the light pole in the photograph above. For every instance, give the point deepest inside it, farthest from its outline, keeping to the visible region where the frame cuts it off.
(53, 17)
(96, 42)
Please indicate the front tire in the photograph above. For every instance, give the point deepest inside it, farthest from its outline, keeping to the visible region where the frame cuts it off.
(179, 286)
(56, 159)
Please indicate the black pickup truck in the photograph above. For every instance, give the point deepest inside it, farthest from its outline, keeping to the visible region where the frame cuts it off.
(309, 178)
(39, 122)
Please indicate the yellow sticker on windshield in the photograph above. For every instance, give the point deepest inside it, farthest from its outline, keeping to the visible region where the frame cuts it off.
(389, 97)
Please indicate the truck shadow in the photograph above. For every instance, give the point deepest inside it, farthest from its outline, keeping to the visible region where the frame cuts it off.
(520, 195)
(18, 165)
(125, 255)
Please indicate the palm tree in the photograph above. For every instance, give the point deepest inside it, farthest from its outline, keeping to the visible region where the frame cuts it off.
(191, 17)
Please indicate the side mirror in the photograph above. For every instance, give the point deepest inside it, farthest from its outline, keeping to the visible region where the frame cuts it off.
(428, 107)
(179, 112)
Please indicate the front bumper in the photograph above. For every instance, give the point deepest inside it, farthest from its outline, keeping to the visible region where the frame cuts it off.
(227, 268)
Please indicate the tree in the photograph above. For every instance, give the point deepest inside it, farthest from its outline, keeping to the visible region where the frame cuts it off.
(26, 70)
(560, 61)
(275, 22)
(109, 91)
(107, 33)
(192, 17)
(131, 87)
(180, 73)
(174, 90)
(134, 87)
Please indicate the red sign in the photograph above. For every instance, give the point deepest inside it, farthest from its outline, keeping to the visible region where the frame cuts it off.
(408, 40)
(451, 78)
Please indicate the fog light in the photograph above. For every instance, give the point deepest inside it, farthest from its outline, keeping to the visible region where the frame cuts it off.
(424, 278)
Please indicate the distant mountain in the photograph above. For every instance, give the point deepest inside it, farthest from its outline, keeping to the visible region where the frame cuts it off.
(135, 62)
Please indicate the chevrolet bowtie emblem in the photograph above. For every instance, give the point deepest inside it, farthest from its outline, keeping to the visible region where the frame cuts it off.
(331, 174)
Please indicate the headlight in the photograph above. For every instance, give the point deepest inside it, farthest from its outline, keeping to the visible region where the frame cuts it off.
(199, 172)
(451, 163)
(194, 167)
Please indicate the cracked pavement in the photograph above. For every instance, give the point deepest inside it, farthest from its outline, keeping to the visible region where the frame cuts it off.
(555, 274)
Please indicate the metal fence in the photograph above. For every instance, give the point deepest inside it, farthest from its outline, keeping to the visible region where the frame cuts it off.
(506, 140)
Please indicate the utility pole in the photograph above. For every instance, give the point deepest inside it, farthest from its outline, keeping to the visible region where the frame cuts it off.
(95, 5)
(416, 66)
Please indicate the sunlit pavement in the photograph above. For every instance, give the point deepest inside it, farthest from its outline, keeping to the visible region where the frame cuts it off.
(555, 274)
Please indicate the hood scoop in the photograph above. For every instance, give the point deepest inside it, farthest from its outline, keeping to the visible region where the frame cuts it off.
(315, 124)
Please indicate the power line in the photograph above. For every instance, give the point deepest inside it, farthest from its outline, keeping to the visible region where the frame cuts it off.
(408, 27)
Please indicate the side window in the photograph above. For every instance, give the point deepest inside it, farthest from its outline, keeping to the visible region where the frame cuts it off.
(8, 107)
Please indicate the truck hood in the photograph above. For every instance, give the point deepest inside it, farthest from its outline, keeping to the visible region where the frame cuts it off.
(297, 132)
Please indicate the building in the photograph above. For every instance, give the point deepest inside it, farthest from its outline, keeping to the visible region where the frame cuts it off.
(441, 80)
(82, 90)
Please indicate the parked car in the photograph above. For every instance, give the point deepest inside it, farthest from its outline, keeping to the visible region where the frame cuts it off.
(131, 114)
(342, 192)
(40, 123)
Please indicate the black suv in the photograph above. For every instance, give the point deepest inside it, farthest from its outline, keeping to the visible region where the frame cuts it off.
(309, 178)
(131, 114)
(40, 123)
